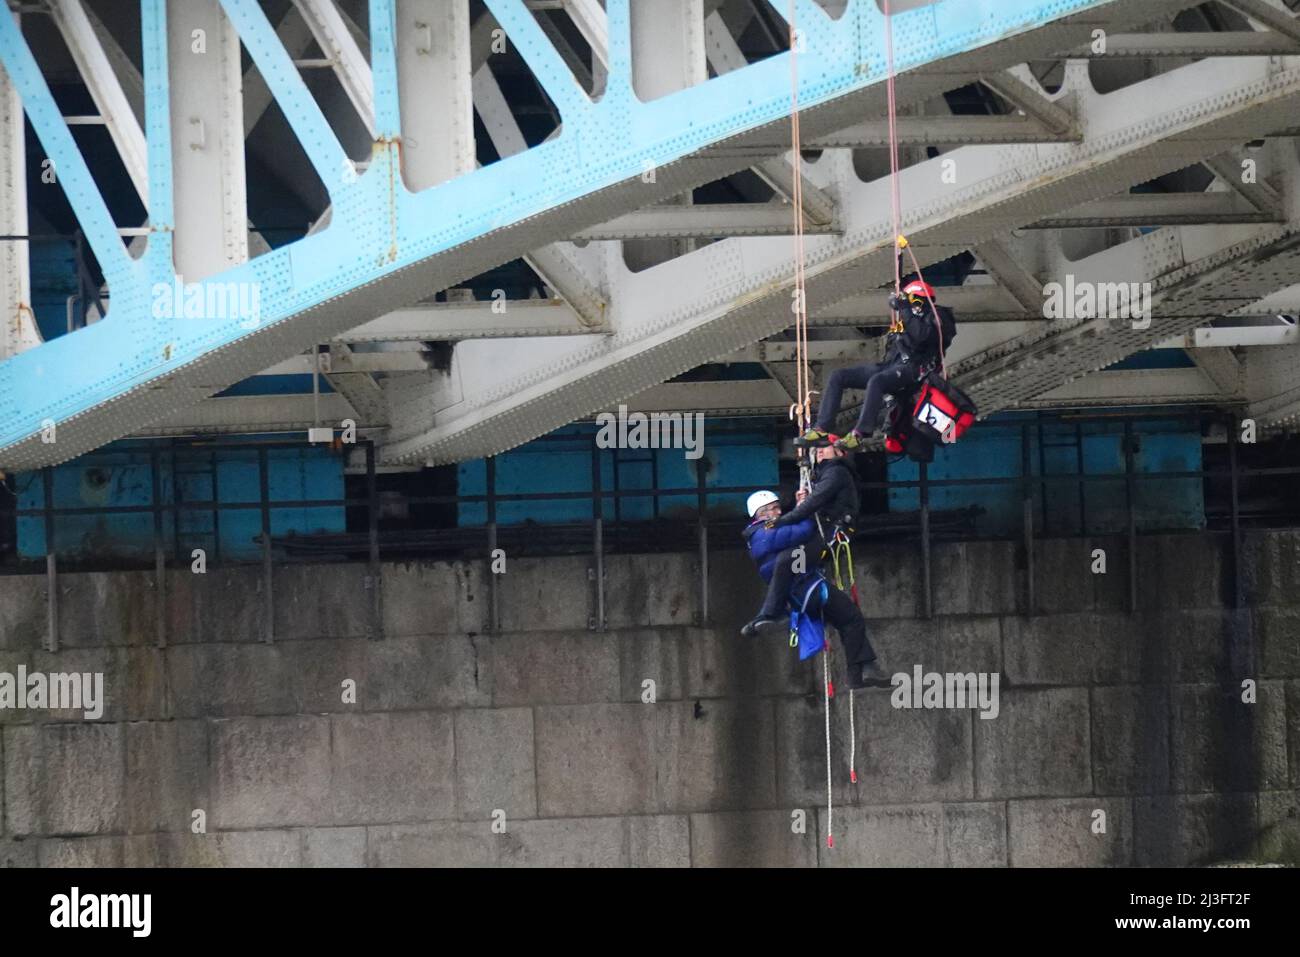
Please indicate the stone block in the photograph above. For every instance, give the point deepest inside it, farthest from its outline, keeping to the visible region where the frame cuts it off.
(753, 839)
(1066, 833)
(391, 768)
(900, 836)
(270, 772)
(554, 668)
(1130, 739)
(975, 835)
(64, 779)
(494, 763)
(1221, 743)
(1038, 746)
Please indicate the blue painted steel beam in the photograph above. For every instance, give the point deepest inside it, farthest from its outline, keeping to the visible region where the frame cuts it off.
(385, 245)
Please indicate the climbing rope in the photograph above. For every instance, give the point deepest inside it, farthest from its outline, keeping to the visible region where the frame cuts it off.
(840, 545)
(896, 190)
(801, 410)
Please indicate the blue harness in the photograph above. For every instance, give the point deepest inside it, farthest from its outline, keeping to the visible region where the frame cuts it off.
(808, 633)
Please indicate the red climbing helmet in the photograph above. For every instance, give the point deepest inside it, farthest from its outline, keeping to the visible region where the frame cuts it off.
(919, 289)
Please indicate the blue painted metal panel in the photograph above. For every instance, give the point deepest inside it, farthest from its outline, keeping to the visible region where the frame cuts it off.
(378, 227)
(993, 450)
(552, 465)
(121, 475)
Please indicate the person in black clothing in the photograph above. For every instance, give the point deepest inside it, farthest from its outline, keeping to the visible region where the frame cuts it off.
(771, 547)
(916, 337)
(834, 497)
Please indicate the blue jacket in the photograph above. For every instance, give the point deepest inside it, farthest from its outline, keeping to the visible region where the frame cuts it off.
(765, 544)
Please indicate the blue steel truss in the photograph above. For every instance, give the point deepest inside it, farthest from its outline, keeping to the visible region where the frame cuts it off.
(135, 366)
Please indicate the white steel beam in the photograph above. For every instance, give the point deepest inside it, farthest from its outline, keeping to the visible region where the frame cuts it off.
(1223, 368)
(1024, 97)
(702, 222)
(750, 396)
(1231, 168)
(1132, 387)
(724, 55)
(331, 33)
(208, 166)
(258, 413)
(436, 98)
(1160, 209)
(1271, 16)
(1232, 337)
(19, 330)
(1011, 275)
(944, 131)
(479, 320)
(105, 89)
(1224, 43)
(563, 268)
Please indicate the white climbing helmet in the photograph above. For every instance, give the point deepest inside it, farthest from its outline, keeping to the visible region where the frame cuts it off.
(759, 499)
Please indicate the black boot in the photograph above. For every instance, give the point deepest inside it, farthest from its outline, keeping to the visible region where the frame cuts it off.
(873, 676)
(761, 624)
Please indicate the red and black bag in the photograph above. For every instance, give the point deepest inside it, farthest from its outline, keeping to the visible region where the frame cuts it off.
(942, 412)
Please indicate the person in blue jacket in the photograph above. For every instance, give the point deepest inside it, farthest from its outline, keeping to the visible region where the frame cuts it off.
(776, 552)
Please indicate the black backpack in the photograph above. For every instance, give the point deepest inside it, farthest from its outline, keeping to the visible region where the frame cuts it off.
(947, 326)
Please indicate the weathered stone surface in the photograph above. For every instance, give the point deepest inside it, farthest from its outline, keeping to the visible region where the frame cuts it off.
(255, 678)
(888, 580)
(263, 848)
(18, 853)
(560, 842)
(1271, 567)
(81, 852)
(270, 772)
(322, 601)
(333, 846)
(436, 598)
(1181, 571)
(22, 612)
(903, 754)
(1193, 829)
(107, 608)
(439, 671)
(975, 835)
(1221, 743)
(554, 668)
(389, 768)
(1130, 739)
(900, 836)
(641, 758)
(552, 594)
(754, 839)
(1279, 638)
(1067, 833)
(974, 578)
(494, 763)
(690, 663)
(659, 841)
(224, 604)
(64, 779)
(1038, 746)
(167, 774)
(952, 644)
(661, 589)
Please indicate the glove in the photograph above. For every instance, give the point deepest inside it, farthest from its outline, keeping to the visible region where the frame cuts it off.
(896, 302)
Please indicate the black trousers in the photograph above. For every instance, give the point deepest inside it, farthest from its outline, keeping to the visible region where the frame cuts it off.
(841, 612)
(878, 379)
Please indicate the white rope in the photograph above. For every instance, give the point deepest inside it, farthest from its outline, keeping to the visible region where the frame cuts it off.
(830, 806)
